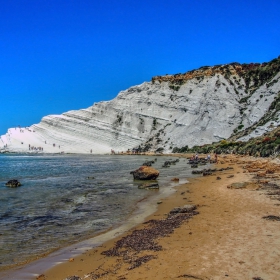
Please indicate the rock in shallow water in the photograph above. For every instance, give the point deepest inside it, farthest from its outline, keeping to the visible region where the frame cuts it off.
(13, 183)
(151, 186)
(175, 179)
(145, 173)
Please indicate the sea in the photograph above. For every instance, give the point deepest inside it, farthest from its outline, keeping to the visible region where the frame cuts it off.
(65, 199)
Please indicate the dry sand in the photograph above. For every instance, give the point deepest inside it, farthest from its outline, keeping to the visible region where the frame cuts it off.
(228, 239)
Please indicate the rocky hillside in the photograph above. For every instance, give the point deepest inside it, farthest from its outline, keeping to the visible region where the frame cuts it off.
(233, 101)
(263, 146)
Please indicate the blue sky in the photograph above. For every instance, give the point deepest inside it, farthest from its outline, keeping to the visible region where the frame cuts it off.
(59, 55)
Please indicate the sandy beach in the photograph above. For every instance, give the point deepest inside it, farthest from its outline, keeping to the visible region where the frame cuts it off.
(229, 238)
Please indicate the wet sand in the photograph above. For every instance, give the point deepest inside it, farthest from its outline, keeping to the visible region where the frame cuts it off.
(228, 239)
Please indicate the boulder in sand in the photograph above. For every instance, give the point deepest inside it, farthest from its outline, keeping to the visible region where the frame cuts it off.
(145, 173)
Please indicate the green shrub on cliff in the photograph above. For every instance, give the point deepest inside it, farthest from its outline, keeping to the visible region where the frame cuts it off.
(263, 146)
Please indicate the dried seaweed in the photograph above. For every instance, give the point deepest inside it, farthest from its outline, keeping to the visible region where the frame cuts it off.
(73, 278)
(272, 189)
(189, 276)
(100, 272)
(144, 239)
(272, 186)
(274, 193)
(272, 218)
(141, 240)
(138, 262)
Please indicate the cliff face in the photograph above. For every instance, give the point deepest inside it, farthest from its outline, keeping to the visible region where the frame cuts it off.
(198, 107)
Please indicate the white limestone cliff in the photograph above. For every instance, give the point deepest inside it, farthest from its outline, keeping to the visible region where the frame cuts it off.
(202, 108)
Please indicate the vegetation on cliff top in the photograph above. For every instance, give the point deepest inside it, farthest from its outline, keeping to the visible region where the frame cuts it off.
(254, 74)
(264, 146)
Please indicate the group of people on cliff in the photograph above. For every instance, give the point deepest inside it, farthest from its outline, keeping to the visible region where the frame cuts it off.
(33, 148)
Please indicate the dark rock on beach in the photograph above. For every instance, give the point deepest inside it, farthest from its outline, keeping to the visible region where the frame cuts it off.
(13, 183)
(207, 173)
(145, 173)
(197, 171)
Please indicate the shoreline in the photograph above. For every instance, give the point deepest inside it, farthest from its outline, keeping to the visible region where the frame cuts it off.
(214, 244)
(145, 207)
(224, 241)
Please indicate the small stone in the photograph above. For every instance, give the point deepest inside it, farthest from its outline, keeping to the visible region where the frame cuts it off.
(175, 179)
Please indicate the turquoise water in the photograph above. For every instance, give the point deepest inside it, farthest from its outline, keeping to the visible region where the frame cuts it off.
(58, 204)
